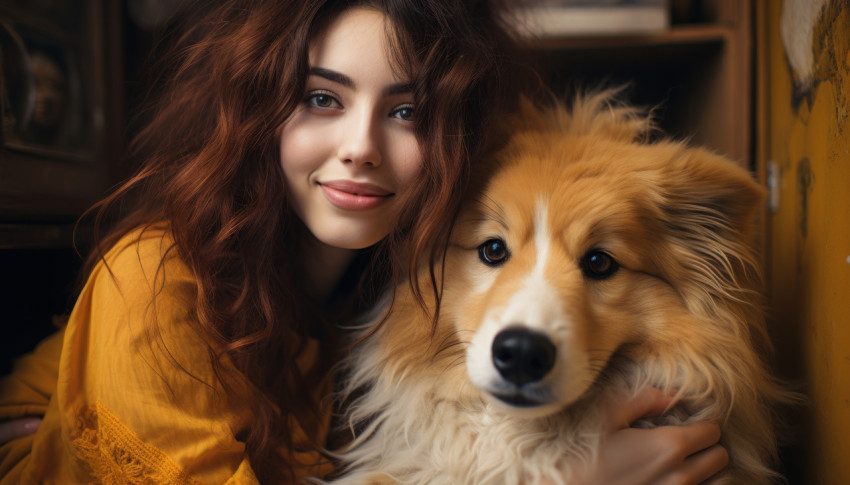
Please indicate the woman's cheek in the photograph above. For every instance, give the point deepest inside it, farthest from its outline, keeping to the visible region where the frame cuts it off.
(412, 164)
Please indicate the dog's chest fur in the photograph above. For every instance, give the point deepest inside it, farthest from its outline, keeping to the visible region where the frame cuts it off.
(428, 431)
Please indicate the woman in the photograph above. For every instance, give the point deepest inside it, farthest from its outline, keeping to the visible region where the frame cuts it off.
(301, 151)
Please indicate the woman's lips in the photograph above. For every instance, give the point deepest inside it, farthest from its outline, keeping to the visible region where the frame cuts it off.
(354, 196)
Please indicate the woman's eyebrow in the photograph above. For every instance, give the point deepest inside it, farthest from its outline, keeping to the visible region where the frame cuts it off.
(340, 78)
(332, 76)
(400, 88)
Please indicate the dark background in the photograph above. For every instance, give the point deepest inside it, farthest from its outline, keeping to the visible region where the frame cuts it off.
(39, 263)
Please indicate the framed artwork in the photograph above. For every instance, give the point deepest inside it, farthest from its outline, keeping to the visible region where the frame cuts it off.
(50, 103)
(60, 106)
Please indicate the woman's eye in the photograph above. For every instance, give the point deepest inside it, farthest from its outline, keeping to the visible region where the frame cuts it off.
(404, 113)
(598, 264)
(322, 101)
(493, 252)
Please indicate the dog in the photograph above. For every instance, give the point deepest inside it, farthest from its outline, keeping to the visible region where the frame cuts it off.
(587, 261)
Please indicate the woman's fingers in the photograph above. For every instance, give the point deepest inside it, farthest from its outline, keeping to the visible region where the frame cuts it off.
(625, 409)
(680, 442)
(705, 464)
(668, 455)
(687, 454)
(682, 455)
(700, 435)
(18, 428)
(697, 468)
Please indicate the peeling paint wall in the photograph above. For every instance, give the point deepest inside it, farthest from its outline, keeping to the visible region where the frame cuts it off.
(803, 140)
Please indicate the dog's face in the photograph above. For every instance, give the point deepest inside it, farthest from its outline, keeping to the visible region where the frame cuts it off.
(586, 245)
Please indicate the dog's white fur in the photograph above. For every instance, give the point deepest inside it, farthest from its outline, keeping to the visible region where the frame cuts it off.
(681, 312)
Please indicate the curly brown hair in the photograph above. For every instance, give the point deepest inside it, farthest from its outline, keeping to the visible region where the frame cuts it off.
(210, 168)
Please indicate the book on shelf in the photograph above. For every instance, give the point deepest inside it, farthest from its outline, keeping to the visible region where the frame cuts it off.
(592, 17)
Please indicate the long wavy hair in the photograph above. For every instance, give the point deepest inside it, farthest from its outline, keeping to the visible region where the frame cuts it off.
(210, 168)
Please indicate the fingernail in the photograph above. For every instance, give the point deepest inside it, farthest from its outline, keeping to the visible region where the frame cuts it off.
(32, 424)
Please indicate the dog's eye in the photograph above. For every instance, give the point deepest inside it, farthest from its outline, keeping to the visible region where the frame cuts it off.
(598, 265)
(493, 252)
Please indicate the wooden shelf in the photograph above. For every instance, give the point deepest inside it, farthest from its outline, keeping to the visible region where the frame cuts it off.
(698, 75)
(678, 35)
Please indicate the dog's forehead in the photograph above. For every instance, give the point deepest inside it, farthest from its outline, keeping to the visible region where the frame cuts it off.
(567, 181)
(582, 187)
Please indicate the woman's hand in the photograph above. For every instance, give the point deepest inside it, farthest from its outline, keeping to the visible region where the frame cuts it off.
(18, 428)
(667, 455)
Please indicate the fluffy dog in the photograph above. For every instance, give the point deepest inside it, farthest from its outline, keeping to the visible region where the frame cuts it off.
(587, 260)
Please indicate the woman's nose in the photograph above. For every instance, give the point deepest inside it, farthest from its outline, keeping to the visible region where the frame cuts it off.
(360, 144)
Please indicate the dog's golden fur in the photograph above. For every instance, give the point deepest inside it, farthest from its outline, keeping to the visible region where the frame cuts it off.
(677, 307)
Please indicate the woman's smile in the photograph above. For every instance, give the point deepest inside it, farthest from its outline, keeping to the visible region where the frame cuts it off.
(353, 196)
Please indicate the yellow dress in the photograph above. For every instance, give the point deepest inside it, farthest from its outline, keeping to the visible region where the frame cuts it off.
(117, 407)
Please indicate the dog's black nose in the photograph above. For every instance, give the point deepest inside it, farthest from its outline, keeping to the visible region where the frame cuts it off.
(522, 355)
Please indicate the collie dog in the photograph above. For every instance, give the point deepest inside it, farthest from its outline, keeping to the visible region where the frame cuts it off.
(587, 261)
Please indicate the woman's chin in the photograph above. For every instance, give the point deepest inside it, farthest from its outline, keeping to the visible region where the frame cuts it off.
(351, 239)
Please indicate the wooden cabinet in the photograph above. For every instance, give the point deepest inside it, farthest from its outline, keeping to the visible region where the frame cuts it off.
(697, 75)
(60, 129)
(62, 109)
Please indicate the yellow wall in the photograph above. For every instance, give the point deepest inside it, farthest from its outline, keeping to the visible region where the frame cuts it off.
(806, 134)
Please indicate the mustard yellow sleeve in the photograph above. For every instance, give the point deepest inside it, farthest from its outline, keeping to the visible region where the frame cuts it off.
(134, 405)
(27, 390)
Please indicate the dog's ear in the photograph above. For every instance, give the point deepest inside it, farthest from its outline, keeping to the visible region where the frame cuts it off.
(707, 192)
(708, 206)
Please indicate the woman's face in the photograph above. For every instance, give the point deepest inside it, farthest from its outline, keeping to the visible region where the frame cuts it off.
(349, 151)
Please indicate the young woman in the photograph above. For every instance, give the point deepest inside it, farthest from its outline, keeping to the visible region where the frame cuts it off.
(302, 156)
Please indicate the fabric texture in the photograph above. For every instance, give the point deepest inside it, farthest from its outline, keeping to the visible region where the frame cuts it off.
(126, 400)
